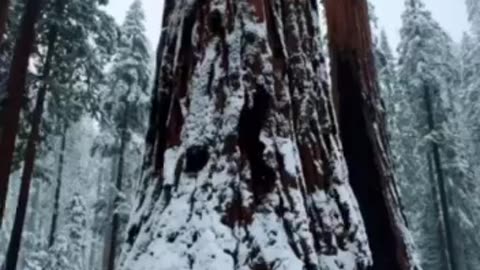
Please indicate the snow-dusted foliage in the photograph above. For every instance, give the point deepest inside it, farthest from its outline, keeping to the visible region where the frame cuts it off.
(429, 141)
(244, 168)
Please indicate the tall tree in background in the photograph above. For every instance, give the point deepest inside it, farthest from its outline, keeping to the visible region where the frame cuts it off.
(76, 223)
(57, 50)
(363, 132)
(31, 149)
(470, 79)
(126, 107)
(77, 77)
(15, 91)
(431, 155)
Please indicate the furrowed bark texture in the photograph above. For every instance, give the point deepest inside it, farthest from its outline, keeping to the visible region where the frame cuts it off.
(363, 133)
(244, 167)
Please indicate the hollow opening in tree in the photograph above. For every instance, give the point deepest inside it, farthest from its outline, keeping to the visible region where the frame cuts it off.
(197, 157)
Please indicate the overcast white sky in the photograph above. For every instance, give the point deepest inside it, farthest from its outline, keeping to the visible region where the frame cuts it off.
(450, 13)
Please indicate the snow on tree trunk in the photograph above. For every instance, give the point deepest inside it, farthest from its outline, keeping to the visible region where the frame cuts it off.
(363, 133)
(244, 166)
(16, 90)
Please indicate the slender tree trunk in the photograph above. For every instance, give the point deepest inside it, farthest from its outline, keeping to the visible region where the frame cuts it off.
(96, 223)
(443, 257)
(28, 167)
(118, 186)
(244, 166)
(442, 194)
(363, 133)
(29, 160)
(16, 90)
(110, 198)
(58, 188)
(4, 6)
(32, 226)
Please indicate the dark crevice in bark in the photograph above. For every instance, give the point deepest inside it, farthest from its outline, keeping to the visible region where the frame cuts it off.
(133, 233)
(192, 202)
(362, 131)
(196, 157)
(280, 210)
(236, 213)
(250, 125)
(364, 175)
(162, 106)
(215, 22)
(178, 171)
(273, 29)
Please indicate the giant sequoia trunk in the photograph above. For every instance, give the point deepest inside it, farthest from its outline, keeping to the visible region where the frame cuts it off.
(244, 165)
(363, 133)
(16, 90)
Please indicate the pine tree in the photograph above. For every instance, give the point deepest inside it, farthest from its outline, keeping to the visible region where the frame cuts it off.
(76, 80)
(429, 151)
(126, 105)
(60, 48)
(244, 165)
(76, 231)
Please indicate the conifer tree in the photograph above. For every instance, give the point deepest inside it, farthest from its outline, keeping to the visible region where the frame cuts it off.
(59, 45)
(431, 155)
(76, 232)
(15, 90)
(126, 107)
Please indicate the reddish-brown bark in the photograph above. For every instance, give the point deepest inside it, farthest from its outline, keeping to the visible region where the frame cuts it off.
(253, 84)
(363, 133)
(16, 91)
